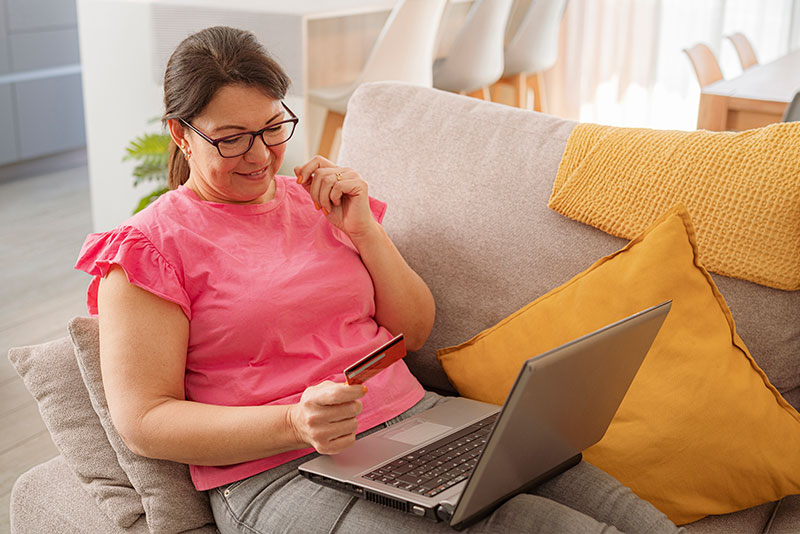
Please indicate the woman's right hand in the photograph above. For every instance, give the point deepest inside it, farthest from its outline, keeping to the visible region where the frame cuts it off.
(325, 417)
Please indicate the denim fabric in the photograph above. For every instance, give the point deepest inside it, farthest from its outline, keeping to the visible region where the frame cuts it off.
(581, 500)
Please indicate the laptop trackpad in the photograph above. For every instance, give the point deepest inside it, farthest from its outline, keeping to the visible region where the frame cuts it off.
(416, 432)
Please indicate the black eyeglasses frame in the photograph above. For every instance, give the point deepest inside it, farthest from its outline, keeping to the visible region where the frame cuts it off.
(260, 133)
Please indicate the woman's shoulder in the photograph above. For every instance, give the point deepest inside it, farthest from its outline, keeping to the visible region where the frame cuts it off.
(161, 214)
(149, 224)
(165, 203)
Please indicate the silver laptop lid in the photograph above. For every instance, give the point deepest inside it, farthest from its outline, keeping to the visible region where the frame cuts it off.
(562, 401)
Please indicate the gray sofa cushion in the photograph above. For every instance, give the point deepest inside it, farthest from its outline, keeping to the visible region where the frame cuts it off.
(793, 397)
(786, 518)
(768, 320)
(48, 498)
(171, 503)
(753, 520)
(50, 372)
(467, 183)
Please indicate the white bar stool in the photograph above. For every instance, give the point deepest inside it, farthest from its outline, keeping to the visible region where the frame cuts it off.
(532, 50)
(476, 58)
(403, 52)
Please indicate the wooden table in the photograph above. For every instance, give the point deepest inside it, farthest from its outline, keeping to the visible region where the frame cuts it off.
(756, 98)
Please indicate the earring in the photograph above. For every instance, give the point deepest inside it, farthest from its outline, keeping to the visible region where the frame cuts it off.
(186, 152)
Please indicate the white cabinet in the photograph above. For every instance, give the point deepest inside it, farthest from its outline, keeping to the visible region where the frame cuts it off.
(5, 63)
(28, 15)
(44, 49)
(50, 112)
(8, 138)
(41, 102)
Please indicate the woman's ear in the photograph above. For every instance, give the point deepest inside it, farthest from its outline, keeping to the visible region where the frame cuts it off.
(178, 134)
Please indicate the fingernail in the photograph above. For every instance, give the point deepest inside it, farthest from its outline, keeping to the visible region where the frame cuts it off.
(299, 179)
(316, 205)
(364, 389)
(324, 211)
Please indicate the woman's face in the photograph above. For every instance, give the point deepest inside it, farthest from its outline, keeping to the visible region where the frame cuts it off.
(245, 179)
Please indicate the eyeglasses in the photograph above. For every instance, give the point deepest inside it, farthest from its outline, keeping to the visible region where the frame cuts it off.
(232, 146)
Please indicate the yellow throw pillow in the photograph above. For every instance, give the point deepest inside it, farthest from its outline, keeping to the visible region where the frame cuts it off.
(742, 190)
(701, 430)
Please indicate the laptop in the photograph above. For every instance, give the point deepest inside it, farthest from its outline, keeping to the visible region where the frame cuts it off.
(461, 459)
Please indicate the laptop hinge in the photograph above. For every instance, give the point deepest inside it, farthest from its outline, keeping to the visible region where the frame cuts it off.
(486, 510)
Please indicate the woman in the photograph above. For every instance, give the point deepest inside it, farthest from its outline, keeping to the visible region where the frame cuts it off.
(229, 308)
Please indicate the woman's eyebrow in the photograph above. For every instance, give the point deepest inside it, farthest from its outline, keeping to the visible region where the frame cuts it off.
(242, 128)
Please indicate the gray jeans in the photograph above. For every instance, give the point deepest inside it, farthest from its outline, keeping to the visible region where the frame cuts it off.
(580, 500)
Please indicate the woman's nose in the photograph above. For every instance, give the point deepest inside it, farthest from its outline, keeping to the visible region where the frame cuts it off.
(258, 152)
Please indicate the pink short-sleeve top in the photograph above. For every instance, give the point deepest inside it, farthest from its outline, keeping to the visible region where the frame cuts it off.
(277, 299)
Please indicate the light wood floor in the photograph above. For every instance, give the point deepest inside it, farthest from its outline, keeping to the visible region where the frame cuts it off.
(43, 222)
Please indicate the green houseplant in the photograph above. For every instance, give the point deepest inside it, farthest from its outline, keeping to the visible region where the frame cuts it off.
(150, 151)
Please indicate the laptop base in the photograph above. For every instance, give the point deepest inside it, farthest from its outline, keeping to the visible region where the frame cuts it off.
(442, 512)
(373, 496)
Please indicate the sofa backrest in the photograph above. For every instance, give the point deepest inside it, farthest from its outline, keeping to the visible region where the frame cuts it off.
(467, 184)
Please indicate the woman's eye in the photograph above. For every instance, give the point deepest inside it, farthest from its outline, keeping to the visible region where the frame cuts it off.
(232, 141)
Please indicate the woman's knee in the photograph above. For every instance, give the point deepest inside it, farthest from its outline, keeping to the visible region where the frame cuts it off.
(533, 513)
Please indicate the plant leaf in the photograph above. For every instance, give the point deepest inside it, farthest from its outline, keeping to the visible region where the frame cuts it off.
(150, 171)
(148, 199)
(148, 147)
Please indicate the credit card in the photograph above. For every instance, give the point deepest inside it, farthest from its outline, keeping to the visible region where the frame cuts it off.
(376, 361)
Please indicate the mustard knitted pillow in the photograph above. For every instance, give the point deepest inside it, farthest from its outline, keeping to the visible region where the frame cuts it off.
(742, 189)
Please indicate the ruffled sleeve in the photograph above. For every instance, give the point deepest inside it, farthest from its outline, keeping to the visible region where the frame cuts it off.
(378, 208)
(144, 266)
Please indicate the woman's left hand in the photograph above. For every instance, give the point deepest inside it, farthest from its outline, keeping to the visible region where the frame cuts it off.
(339, 192)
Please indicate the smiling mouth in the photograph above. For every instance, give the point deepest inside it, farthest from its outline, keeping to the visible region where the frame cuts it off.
(258, 172)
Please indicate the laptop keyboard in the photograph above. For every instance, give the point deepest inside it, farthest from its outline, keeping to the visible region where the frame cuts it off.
(437, 466)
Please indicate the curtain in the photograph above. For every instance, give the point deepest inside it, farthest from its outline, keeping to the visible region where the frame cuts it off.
(621, 61)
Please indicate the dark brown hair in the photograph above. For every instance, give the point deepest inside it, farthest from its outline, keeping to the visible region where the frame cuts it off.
(204, 63)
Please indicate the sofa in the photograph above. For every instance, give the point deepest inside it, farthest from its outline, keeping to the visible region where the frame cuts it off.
(467, 184)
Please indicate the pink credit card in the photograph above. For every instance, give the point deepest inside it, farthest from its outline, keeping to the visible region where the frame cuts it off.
(376, 361)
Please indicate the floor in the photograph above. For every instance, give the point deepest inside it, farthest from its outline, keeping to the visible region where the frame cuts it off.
(44, 219)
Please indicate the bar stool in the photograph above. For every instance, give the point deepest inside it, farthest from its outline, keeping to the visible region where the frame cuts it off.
(403, 52)
(532, 50)
(476, 58)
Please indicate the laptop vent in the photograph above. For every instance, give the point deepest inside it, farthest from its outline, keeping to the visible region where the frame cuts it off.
(387, 501)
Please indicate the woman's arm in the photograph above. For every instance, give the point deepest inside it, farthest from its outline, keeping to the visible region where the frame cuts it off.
(143, 343)
(403, 302)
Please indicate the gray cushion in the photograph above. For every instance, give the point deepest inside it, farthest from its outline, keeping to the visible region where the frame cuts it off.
(768, 320)
(171, 503)
(48, 498)
(50, 372)
(793, 397)
(467, 183)
(750, 521)
(787, 517)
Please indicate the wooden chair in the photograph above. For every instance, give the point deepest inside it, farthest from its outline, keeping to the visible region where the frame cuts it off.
(705, 64)
(747, 56)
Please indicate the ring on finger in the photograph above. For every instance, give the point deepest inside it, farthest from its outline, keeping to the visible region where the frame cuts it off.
(339, 176)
